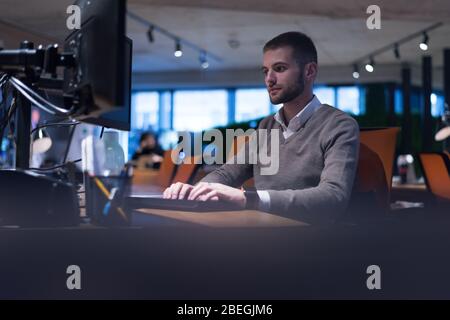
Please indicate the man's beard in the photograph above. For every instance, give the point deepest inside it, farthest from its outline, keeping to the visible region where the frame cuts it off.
(289, 93)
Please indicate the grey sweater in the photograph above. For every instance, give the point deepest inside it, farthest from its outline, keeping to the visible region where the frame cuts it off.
(317, 166)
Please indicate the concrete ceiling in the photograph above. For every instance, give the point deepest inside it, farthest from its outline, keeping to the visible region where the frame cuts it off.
(337, 27)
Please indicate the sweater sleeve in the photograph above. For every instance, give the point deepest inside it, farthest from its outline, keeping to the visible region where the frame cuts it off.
(231, 174)
(331, 196)
(234, 173)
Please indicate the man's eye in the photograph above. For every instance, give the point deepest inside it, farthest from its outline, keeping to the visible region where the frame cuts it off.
(280, 69)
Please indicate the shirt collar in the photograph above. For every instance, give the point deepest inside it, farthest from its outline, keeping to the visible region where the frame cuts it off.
(300, 118)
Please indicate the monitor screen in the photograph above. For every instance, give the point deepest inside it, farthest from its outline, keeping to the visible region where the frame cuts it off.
(99, 82)
(120, 118)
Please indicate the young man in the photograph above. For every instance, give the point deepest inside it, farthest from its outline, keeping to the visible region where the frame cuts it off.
(318, 149)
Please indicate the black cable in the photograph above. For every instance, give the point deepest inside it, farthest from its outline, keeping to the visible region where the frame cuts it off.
(7, 121)
(55, 167)
(55, 124)
(4, 102)
(28, 96)
(37, 99)
(4, 79)
(3, 106)
(11, 131)
(8, 116)
(66, 153)
(6, 112)
(101, 132)
(61, 124)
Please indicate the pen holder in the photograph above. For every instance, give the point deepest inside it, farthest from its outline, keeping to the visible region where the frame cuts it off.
(105, 200)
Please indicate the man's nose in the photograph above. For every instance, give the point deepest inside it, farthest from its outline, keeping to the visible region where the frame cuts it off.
(270, 78)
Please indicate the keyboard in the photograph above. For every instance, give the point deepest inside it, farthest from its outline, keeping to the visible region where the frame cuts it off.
(136, 202)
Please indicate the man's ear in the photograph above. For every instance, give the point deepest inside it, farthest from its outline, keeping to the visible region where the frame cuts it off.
(311, 70)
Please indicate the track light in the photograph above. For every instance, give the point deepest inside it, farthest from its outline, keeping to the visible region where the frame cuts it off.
(395, 46)
(205, 64)
(203, 60)
(355, 71)
(150, 32)
(396, 52)
(178, 52)
(424, 44)
(150, 37)
(370, 65)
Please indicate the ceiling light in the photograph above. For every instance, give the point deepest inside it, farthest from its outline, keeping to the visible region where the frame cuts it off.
(396, 52)
(203, 60)
(424, 44)
(370, 65)
(355, 71)
(178, 52)
(150, 34)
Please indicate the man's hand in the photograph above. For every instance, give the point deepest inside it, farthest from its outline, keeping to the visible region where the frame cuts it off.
(178, 191)
(205, 191)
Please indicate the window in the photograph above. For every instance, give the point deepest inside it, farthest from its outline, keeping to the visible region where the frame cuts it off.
(165, 110)
(398, 104)
(348, 99)
(252, 104)
(197, 110)
(145, 110)
(437, 105)
(326, 95)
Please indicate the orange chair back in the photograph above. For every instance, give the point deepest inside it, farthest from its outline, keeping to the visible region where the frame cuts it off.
(375, 167)
(161, 178)
(166, 170)
(186, 171)
(382, 142)
(435, 167)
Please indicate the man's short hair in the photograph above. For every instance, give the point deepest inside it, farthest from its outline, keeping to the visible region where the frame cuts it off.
(304, 48)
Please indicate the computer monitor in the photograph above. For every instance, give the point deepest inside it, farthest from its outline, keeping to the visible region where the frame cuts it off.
(100, 80)
(97, 73)
(119, 118)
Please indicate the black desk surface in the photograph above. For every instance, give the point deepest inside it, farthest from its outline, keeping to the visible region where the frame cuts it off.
(165, 258)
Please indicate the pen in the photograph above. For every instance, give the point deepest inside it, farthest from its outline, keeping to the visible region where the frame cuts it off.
(105, 191)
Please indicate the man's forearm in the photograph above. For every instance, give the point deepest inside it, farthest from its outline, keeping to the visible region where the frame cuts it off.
(233, 175)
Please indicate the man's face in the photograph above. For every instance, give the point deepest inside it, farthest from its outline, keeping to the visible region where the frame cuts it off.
(149, 142)
(282, 75)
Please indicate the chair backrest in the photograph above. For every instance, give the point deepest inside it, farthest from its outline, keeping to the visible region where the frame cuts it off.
(382, 142)
(166, 170)
(160, 178)
(186, 170)
(436, 171)
(375, 167)
(142, 177)
(167, 173)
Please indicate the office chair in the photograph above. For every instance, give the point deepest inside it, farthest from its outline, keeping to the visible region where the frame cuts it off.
(160, 179)
(373, 181)
(186, 171)
(436, 171)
